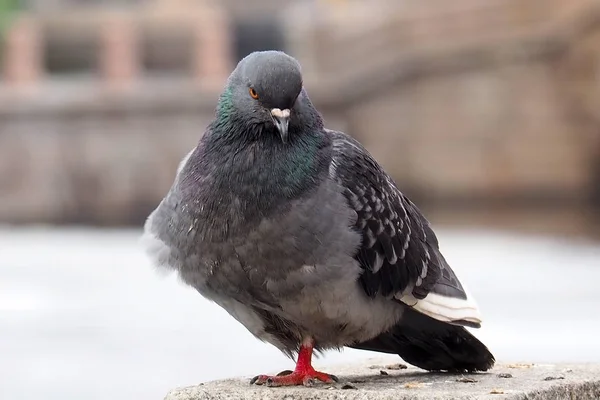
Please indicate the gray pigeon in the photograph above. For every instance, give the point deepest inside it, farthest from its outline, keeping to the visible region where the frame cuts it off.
(301, 236)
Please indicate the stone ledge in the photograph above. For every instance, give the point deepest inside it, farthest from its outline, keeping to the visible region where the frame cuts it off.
(380, 381)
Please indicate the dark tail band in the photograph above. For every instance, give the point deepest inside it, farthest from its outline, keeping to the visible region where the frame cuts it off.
(432, 345)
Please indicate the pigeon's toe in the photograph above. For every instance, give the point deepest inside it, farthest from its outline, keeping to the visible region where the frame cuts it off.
(306, 378)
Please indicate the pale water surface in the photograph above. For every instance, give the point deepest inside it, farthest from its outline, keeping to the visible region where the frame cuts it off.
(84, 316)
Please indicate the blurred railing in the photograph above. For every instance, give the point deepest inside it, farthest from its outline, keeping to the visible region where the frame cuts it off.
(338, 42)
(118, 37)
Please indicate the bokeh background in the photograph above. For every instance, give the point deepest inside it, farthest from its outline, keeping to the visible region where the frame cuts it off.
(486, 112)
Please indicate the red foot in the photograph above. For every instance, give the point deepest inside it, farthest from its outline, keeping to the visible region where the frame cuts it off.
(304, 374)
(307, 378)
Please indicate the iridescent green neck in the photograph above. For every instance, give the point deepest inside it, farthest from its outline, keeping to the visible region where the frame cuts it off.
(225, 109)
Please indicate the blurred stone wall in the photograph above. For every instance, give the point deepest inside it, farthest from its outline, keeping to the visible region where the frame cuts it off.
(463, 102)
(106, 162)
(501, 131)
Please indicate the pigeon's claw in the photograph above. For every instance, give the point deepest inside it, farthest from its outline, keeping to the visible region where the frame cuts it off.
(304, 374)
(307, 378)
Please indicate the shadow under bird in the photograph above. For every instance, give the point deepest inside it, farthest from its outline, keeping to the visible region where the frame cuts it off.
(300, 234)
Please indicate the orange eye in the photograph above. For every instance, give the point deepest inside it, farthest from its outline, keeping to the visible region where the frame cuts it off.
(253, 93)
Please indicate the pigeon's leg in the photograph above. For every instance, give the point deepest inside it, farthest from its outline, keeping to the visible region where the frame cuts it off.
(304, 374)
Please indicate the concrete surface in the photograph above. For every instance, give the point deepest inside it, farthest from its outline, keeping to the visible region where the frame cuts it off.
(378, 380)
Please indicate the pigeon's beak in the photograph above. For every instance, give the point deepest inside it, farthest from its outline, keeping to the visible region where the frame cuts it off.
(281, 119)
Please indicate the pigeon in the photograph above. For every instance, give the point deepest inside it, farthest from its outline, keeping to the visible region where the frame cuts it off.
(301, 236)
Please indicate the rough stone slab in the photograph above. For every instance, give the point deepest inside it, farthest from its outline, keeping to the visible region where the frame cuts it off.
(377, 381)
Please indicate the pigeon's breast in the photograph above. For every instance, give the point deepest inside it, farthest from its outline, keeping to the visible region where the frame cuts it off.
(282, 253)
(274, 255)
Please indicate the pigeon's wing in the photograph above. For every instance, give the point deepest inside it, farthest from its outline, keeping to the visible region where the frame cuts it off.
(399, 252)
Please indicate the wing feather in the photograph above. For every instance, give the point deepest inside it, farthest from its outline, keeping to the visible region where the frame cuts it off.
(399, 253)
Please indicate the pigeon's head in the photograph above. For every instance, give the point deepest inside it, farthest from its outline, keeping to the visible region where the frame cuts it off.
(261, 95)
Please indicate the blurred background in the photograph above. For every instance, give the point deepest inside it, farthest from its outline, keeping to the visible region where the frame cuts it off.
(486, 112)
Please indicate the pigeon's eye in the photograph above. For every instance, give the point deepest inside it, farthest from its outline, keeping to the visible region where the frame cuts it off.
(253, 94)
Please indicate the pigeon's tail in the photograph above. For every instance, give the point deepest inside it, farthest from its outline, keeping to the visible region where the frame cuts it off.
(432, 345)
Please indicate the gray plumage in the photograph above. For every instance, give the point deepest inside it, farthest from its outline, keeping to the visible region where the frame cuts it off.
(299, 233)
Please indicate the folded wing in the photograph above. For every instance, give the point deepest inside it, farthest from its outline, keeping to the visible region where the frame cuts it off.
(399, 252)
